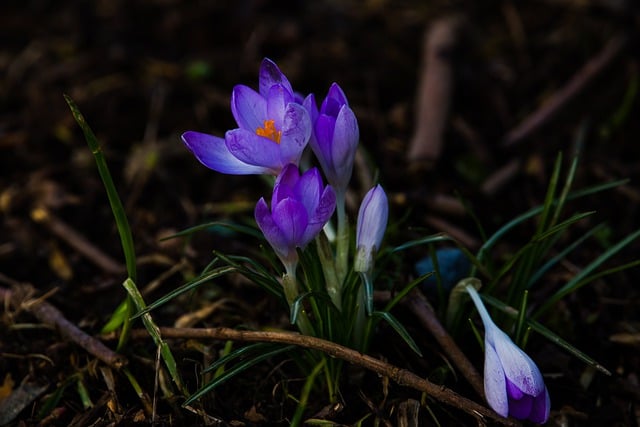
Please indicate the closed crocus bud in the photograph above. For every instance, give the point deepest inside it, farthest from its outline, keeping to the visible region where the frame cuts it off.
(335, 136)
(513, 383)
(372, 222)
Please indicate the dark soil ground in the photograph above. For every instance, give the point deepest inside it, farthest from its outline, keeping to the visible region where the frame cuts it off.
(144, 71)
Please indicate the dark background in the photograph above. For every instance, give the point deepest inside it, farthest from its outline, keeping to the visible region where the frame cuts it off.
(142, 72)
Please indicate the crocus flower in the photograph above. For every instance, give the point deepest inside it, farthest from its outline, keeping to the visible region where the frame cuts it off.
(335, 136)
(513, 383)
(300, 206)
(372, 222)
(273, 129)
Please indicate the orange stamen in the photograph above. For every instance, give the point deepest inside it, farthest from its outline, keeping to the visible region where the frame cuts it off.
(269, 131)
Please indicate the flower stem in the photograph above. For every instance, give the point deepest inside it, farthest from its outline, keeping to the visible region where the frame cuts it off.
(334, 288)
(482, 311)
(342, 239)
(290, 287)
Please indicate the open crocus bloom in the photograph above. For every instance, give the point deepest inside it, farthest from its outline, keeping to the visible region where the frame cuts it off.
(335, 137)
(273, 129)
(300, 207)
(513, 383)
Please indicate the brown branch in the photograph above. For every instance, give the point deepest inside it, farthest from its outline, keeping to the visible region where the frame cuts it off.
(76, 240)
(417, 303)
(400, 376)
(21, 298)
(434, 92)
(561, 98)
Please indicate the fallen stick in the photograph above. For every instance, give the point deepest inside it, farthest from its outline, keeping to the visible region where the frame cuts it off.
(434, 92)
(400, 376)
(561, 98)
(21, 298)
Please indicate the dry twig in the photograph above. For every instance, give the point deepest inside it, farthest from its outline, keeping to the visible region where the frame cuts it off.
(21, 298)
(400, 376)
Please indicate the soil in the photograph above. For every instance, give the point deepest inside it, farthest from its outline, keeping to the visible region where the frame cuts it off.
(144, 71)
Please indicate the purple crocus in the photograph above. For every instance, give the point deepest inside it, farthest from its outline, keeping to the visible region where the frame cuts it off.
(300, 206)
(335, 136)
(273, 129)
(513, 383)
(372, 222)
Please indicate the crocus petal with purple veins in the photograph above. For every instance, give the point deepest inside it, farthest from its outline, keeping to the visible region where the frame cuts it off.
(513, 383)
(336, 93)
(343, 155)
(255, 150)
(308, 189)
(277, 102)
(248, 107)
(518, 366)
(296, 130)
(495, 382)
(271, 75)
(213, 152)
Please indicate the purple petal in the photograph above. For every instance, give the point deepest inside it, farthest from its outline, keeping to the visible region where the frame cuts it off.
(521, 408)
(335, 92)
(254, 150)
(270, 229)
(292, 218)
(495, 387)
(248, 107)
(296, 130)
(212, 152)
(310, 105)
(285, 183)
(541, 406)
(271, 75)
(308, 189)
(513, 391)
(323, 212)
(277, 102)
(345, 142)
(324, 129)
(518, 366)
(372, 219)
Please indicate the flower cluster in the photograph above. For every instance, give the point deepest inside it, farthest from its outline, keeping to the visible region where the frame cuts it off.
(274, 127)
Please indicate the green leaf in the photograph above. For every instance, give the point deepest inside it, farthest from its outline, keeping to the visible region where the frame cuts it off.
(193, 284)
(397, 326)
(577, 281)
(227, 375)
(154, 331)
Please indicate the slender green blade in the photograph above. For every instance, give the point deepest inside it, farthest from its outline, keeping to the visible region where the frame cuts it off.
(114, 200)
(400, 330)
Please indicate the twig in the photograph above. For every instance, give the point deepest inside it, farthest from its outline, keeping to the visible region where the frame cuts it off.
(420, 307)
(434, 92)
(562, 97)
(400, 376)
(76, 240)
(20, 298)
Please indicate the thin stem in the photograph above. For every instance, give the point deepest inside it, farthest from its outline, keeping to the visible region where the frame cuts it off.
(334, 287)
(290, 286)
(342, 239)
(482, 311)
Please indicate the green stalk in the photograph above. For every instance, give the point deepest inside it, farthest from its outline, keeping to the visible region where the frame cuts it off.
(334, 287)
(125, 311)
(342, 239)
